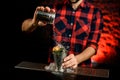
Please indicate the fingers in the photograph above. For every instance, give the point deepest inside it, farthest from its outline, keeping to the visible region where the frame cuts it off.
(69, 64)
(46, 9)
(42, 23)
(70, 61)
(68, 57)
(74, 66)
(52, 10)
(41, 8)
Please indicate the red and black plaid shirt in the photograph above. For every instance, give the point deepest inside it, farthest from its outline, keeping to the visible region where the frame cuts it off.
(77, 29)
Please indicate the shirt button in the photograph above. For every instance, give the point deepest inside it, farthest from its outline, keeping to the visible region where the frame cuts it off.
(73, 12)
(67, 47)
(71, 24)
(69, 35)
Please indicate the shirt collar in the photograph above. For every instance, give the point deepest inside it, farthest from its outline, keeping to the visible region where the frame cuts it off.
(82, 5)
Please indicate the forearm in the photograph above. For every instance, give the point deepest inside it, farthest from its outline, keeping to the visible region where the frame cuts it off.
(28, 26)
(85, 55)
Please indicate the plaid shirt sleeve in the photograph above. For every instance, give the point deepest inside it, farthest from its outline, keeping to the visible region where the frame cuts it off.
(96, 29)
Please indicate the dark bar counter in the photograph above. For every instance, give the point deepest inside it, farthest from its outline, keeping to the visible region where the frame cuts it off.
(35, 71)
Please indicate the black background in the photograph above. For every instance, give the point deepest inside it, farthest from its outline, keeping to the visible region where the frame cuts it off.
(21, 47)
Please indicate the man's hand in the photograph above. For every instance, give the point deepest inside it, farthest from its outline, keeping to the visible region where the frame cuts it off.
(70, 62)
(41, 8)
(29, 25)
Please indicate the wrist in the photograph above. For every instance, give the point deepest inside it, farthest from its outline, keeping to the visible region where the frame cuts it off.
(33, 24)
(77, 59)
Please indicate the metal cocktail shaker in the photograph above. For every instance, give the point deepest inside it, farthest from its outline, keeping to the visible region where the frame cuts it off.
(46, 16)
